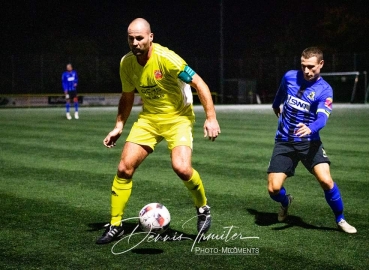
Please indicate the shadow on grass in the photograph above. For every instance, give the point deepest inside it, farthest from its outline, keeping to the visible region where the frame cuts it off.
(268, 219)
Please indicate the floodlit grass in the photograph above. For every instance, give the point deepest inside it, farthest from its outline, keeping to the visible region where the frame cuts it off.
(55, 180)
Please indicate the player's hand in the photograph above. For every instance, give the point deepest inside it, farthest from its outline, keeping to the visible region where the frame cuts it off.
(277, 111)
(111, 140)
(211, 129)
(303, 130)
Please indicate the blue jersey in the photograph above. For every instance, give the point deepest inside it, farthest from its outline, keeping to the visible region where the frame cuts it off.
(304, 102)
(69, 79)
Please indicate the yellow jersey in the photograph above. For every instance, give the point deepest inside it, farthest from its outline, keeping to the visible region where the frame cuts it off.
(164, 95)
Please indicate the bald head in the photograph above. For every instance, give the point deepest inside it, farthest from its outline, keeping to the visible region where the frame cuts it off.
(140, 39)
(139, 24)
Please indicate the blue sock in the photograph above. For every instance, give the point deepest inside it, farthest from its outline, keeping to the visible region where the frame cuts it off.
(333, 198)
(281, 197)
(67, 107)
(76, 106)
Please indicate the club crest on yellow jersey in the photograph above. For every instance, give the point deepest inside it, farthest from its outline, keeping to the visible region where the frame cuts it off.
(158, 75)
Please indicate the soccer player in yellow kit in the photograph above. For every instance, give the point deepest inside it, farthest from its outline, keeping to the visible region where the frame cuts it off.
(163, 79)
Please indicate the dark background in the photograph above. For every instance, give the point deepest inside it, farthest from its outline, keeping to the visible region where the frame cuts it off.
(259, 38)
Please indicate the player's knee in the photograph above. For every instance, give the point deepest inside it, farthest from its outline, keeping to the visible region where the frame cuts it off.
(326, 184)
(275, 182)
(75, 100)
(183, 172)
(182, 168)
(125, 171)
(273, 188)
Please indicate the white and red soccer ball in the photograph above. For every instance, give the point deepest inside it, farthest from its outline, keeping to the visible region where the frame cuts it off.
(154, 217)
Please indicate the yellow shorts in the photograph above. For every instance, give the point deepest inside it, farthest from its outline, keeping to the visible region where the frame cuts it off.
(150, 133)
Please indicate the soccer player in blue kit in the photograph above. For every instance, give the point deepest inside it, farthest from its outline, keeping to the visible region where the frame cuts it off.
(307, 103)
(69, 83)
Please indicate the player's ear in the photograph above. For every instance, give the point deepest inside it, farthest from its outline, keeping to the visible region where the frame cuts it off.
(151, 36)
(321, 63)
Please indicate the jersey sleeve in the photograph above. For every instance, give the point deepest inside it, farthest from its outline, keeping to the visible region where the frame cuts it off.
(64, 81)
(127, 83)
(319, 123)
(324, 110)
(325, 102)
(174, 64)
(281, 94)
(75, 77)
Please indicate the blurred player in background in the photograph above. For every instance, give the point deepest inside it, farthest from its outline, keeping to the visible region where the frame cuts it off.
(163, 79)
(307, 103)
(69, 83)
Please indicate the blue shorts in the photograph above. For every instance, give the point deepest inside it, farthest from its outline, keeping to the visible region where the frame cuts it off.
(286, 156)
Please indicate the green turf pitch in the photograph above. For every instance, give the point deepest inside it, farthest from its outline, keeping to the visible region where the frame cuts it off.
(56, 175)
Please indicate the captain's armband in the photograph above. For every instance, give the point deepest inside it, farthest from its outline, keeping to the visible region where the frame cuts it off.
(187, 74)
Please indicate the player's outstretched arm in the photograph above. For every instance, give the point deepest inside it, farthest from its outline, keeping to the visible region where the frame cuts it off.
(124, 110)
(211, 126)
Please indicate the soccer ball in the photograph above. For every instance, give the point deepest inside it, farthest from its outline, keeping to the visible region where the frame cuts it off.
(154, 217)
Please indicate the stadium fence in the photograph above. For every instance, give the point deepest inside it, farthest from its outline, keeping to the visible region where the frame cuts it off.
(246, 80)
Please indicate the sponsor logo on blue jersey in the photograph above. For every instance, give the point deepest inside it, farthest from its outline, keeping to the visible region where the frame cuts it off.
(298, 104)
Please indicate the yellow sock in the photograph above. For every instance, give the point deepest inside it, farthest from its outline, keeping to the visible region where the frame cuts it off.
(120, 193)
(195, 186)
